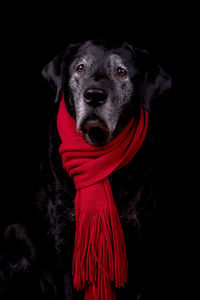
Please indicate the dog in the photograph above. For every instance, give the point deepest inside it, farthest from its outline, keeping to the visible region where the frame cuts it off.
(104, 83)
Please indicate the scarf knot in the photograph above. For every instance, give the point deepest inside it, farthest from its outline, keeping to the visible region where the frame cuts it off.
(99, 262)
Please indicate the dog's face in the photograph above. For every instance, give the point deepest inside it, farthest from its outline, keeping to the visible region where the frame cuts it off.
(104, 86)
(101, 87)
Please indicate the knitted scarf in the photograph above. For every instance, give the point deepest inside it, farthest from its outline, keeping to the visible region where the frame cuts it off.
(99, 261)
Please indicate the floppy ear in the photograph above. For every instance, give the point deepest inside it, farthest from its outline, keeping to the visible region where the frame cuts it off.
(153, 80)
(53, 74)
(55, 71)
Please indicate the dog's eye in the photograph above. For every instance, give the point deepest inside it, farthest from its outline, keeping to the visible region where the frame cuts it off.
(81, 68)
(121, 72)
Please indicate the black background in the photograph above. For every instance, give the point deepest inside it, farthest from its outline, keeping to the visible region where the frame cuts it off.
(31, 37)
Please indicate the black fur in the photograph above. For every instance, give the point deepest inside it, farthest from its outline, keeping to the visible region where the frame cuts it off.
(40, 259)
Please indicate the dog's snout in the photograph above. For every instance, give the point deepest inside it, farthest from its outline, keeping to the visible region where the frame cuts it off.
(95, 97)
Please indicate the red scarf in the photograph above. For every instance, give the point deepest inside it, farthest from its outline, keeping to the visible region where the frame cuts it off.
(99, 259)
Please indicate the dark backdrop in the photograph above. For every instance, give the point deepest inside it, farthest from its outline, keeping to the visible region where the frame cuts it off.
(30, 39)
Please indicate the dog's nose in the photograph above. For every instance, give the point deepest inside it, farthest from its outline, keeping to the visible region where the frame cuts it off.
(95, 97)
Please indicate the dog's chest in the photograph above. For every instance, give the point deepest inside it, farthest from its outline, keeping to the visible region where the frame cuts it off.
(131, 187)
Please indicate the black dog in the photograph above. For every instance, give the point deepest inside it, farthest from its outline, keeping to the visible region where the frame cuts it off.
(104, 83)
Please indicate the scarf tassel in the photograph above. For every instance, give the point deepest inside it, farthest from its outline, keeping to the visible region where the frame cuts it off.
(99, 260)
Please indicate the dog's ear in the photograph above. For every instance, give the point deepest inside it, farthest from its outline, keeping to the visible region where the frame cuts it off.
(55, 71)
(153, 80)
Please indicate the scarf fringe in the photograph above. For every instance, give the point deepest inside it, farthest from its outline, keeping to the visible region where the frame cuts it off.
(106, 291)
(99, 259)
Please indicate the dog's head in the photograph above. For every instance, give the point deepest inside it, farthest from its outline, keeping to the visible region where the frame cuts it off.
(104, 84)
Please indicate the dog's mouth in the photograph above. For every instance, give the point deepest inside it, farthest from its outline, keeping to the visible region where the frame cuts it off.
(95, 131)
